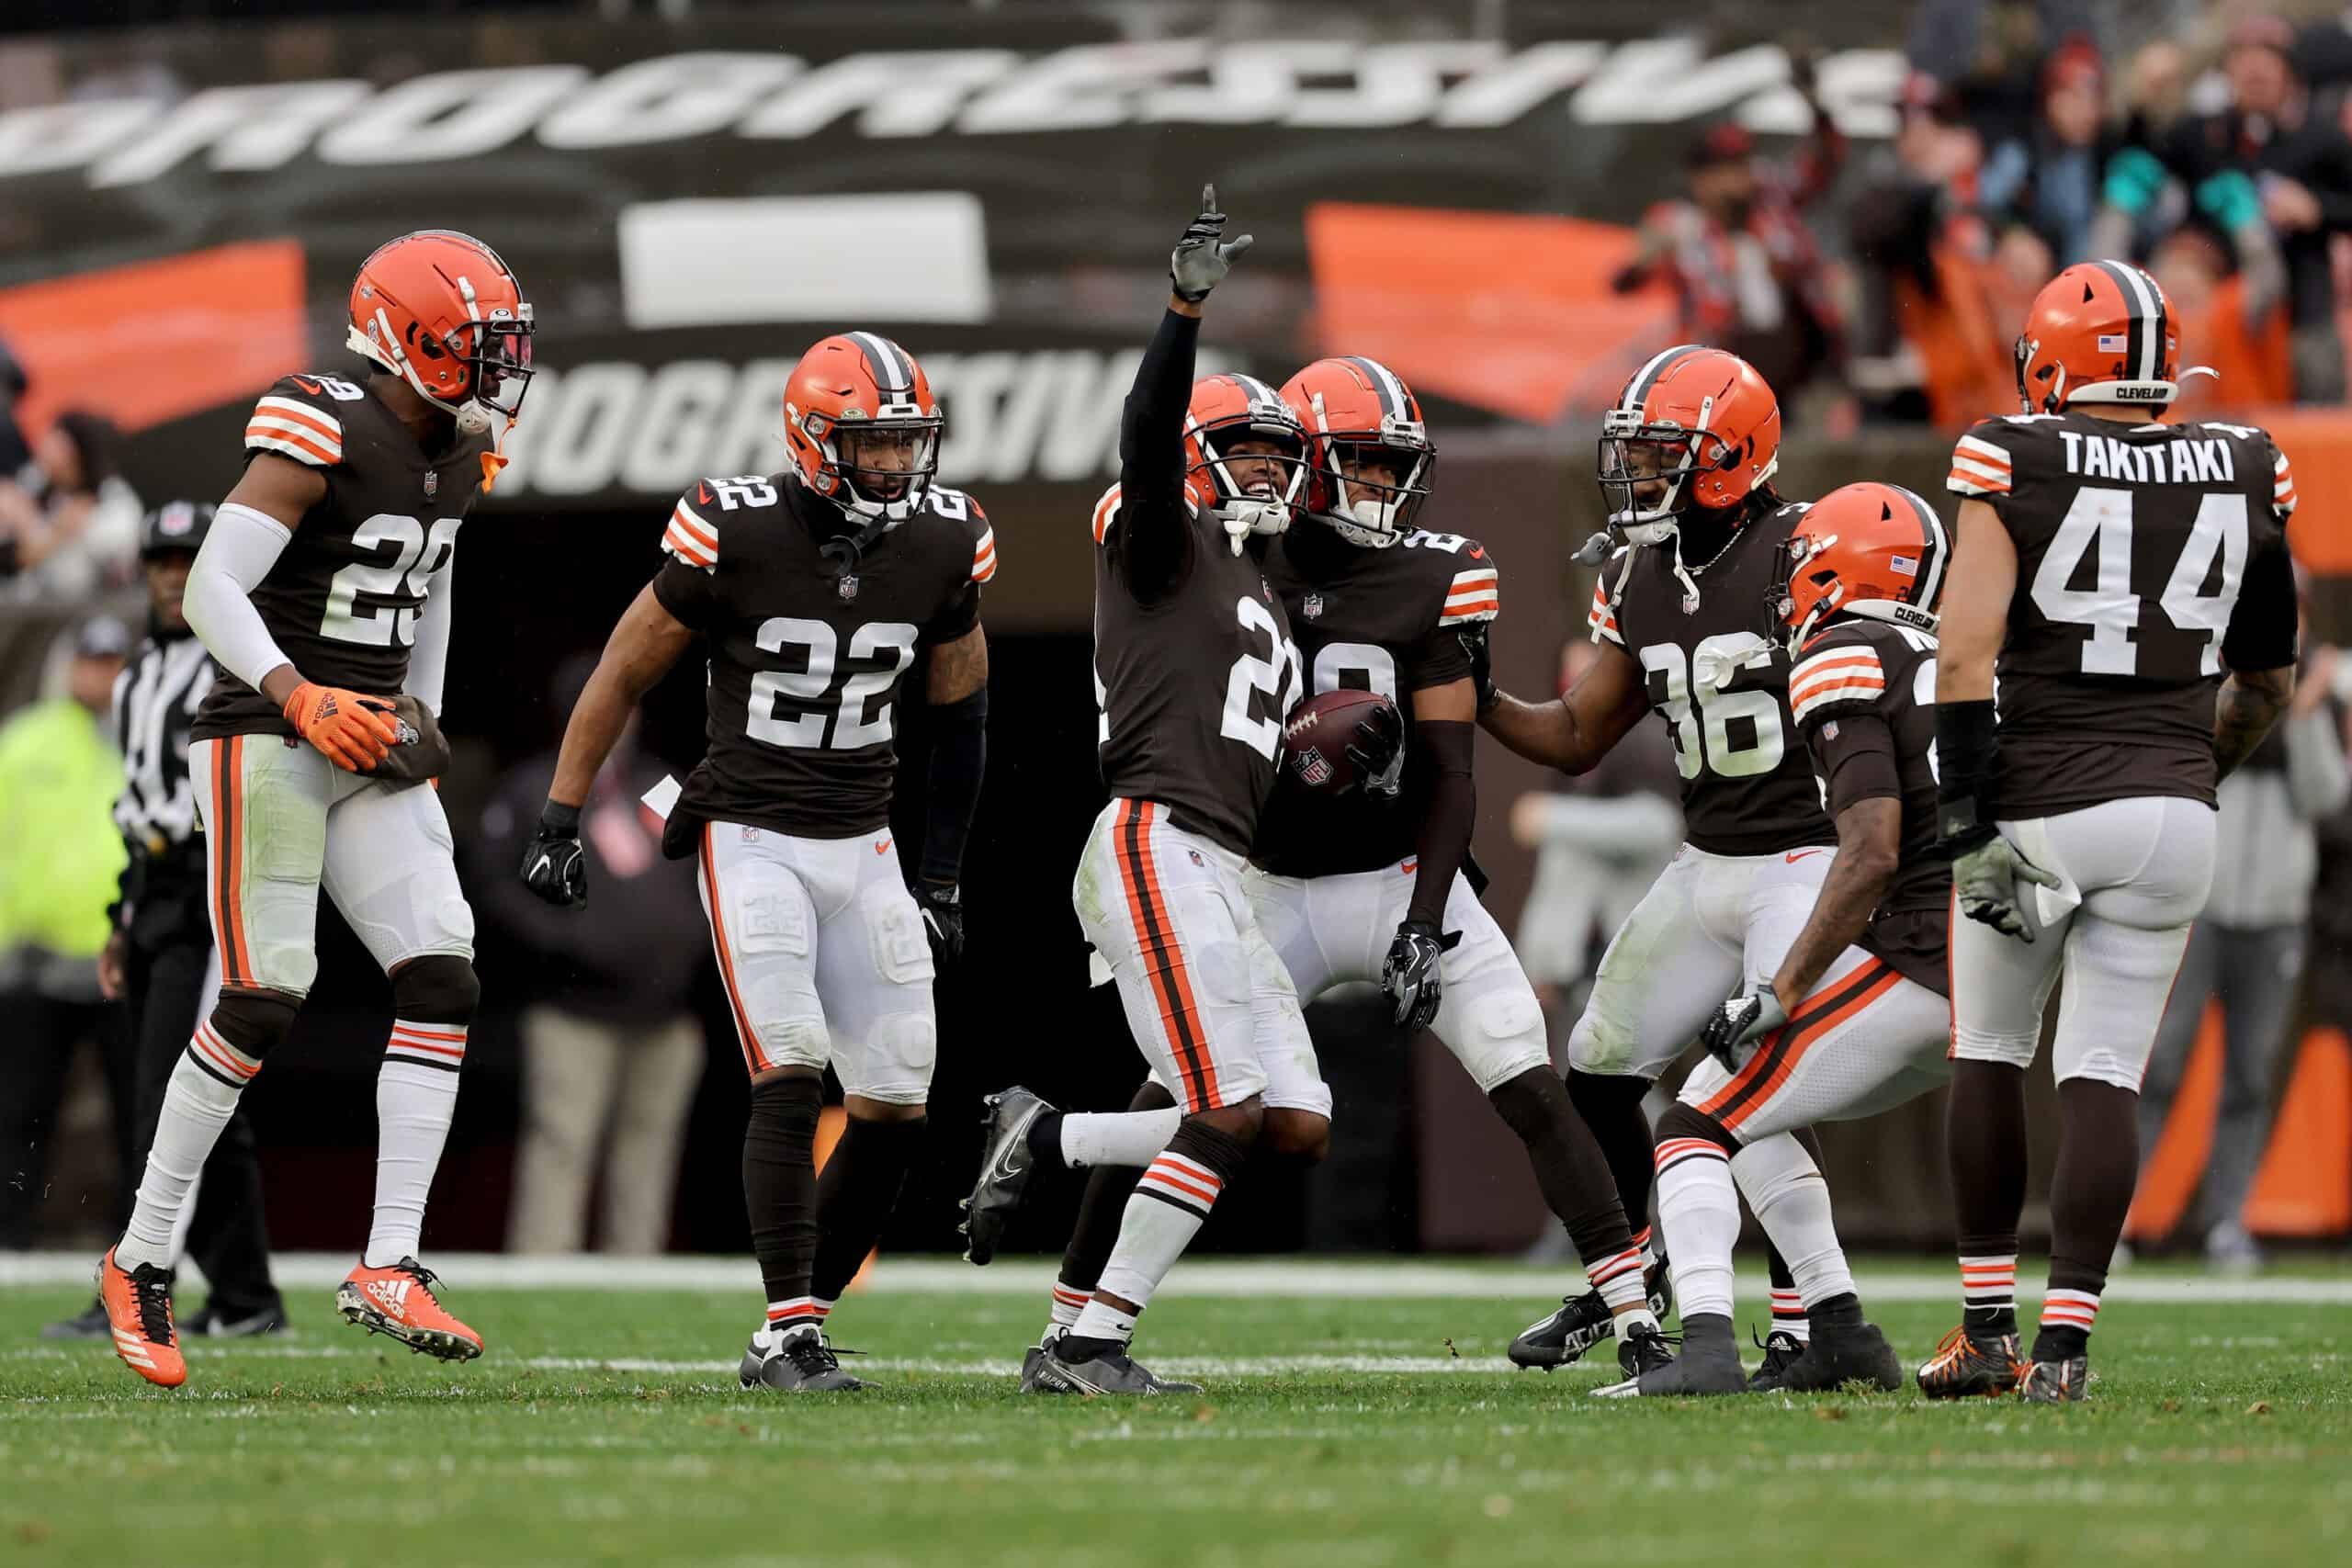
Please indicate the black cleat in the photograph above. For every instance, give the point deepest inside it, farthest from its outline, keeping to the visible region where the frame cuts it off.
(1780, 1351)
(210, 1322)
(800, 1362)
(1709, 1362)
(1006, 1165)
(1838, 1356)
(1032, 1359)
(91, 1323)
(2057, 1383)
(1967, 1365)
(1112, 1372)
(1581, 1323)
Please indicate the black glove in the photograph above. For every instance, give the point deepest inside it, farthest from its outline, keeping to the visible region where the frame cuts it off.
(1200, 260)
(554, 865)
(1482, 666)
(1377, 750)
(1985, 877)
(942, 904)
(1740, 1022)
(1410, 976)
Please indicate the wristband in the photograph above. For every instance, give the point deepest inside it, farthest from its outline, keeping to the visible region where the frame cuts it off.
(560, 820)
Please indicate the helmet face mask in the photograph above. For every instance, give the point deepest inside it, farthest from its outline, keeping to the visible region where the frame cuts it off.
(1245, 456)
(883, 462)
(1647, 469)
(1696, 429)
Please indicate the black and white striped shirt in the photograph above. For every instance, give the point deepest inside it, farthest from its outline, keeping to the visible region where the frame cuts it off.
(155, 702)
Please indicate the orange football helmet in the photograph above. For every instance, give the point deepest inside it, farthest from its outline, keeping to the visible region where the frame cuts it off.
(1876, 550)
(1351, 409)
(862, 385)
(1698, 419)
(2099, 332)
(441, 311)
(1225, 411)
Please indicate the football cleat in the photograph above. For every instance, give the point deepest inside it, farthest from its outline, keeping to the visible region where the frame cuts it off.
(90, 1322)
(1581, 1323)
(1841, 1355)
(138, 1315)
(797, 1362)
(1032, 1358)
(1006, 1165)
(1708, 1362)
(1112, 1372)
(399, 1301)
(209, 1322)
(1780, 1349)
(2057, 1383)
(1965, 1365)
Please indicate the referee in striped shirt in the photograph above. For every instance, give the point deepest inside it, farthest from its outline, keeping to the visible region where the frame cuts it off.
(158, 962)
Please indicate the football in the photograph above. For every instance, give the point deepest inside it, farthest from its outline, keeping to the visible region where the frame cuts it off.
(1316, 735)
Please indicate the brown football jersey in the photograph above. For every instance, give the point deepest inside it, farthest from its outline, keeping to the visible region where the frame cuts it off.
(806, 663)
(1721, 688)
(1390, 621)
(343, 599)
(1864, 695)
(2150, 557)
(1192, 687)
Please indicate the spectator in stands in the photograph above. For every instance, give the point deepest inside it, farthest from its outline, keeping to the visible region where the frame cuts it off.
(14, 451)
(2230, 319)
(2047, 176)
(59, 776)
(613, 1054)
(2247, 948)
(69, 522)
(1740, 252)
(2300, 165)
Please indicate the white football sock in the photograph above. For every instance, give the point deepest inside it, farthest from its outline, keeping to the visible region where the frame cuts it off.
(416, 1092)
(1167, 1209)
(1791, 1203)
(1698, 1208)
(1068, 1302)
(1116, 1138)
(1788, 1314)
(197, 1102)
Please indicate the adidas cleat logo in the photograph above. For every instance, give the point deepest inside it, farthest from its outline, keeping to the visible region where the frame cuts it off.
(391, 1294)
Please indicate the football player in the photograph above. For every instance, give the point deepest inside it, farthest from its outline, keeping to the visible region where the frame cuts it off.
(815, 591)
(2129, 582)
(1854, 1019)
(1194, 671)
(1686, 465)
(1366, 886)
(323, 593)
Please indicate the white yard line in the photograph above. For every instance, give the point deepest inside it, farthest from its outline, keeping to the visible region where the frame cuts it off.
(1296, 1278)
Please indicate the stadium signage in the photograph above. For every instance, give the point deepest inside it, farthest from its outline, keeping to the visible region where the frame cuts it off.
(886, 96)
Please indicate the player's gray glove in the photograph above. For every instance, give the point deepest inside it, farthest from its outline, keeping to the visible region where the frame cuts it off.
(1740, 1022)
(1377, 750)
(1985, 879)
(1204, 255)
(942, 904)
(1410, 974)
(554, 865)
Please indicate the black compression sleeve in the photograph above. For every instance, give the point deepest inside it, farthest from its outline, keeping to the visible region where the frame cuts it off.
(1964, 740)
(2262, 631)
(959, 749)
(1153, 534)
(1452, 811)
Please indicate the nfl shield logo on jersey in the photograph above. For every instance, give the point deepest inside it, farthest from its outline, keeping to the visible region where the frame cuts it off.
(849, 586)
(1312, 606)
(432, 482)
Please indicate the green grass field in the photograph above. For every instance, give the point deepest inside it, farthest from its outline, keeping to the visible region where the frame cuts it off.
(1358, 1429)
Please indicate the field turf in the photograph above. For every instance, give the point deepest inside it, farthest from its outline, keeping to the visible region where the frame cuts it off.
(1339, 1429)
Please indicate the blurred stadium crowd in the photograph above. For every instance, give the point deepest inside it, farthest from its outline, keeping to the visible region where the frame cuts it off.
(1875, 284)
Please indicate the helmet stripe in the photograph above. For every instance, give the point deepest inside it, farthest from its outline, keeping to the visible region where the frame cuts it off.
(1637, 390)
(1384, 383)
(1938, 551)
(2140, 311)
(886, 361)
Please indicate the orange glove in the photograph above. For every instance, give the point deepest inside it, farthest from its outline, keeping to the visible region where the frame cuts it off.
(354, 732)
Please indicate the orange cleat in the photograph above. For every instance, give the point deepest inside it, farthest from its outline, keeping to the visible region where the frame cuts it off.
(139, 1311)
(399, 1301)
(1968, 1365)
